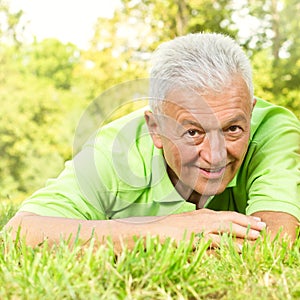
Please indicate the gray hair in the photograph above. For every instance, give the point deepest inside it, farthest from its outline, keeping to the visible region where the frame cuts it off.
(202, 61)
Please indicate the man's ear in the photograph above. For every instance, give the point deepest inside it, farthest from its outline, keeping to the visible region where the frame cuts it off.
(153, 128)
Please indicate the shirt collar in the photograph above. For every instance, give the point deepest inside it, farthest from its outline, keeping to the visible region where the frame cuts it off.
(233, 182)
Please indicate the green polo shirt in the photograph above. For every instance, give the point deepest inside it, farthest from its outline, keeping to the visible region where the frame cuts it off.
(120, 173)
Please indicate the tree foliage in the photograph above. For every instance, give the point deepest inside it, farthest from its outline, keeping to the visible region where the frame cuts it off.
(52, 60)
(28, 140)
(12, 24)
(277, 42)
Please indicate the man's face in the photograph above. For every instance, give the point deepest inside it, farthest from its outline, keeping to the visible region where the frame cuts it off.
(204, 137)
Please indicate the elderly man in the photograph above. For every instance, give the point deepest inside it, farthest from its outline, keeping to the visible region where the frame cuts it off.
(207, 157)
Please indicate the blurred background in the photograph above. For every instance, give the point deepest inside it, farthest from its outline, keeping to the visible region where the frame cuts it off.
(56, 57)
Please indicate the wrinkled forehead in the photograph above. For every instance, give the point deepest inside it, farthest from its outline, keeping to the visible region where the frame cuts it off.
(188, 99)
(194, 97)
(209, 108)
(185, 104)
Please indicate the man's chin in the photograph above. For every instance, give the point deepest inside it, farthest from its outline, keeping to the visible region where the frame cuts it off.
(213, 190)
(206, 188)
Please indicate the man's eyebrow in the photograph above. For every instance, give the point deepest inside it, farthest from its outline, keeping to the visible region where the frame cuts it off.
(191, 122)
(236, 119)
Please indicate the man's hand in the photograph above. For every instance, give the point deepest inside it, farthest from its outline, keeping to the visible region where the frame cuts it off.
(213, 224)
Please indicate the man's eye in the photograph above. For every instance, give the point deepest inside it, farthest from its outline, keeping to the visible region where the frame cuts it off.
(234, 128)
(192, 133)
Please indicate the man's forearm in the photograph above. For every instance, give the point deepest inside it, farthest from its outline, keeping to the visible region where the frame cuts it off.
(36, 229)
(281, 222)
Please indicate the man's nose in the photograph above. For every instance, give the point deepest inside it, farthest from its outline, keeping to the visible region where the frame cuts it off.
(213, 149)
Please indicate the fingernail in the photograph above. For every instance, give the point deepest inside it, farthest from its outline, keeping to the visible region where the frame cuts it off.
(257, 218)
(256, 234)
(262, 225)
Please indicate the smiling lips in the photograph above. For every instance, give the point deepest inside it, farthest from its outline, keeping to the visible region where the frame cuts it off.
(213, 173)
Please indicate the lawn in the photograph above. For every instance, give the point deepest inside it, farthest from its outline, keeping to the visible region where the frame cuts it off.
(266, 270)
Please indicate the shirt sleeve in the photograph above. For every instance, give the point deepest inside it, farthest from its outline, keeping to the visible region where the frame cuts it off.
(274, 167)
(80, 191)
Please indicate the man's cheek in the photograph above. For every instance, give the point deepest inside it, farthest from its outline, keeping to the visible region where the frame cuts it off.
(189, 153)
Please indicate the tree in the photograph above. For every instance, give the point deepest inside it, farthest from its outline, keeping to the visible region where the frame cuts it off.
(53, 60)
(35, 135)
(158, 21)
(28, 134)
(121, 46)
(12, 24)
(279, 40)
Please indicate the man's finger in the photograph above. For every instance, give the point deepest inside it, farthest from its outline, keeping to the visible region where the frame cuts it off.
(252, 222)
(237, 230)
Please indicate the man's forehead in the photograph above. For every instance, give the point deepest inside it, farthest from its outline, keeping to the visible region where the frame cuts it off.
(201, 114)
(182, 116)
(196, 102)
(192, 106)
(187, 96)
(186, 103)
(179, 94)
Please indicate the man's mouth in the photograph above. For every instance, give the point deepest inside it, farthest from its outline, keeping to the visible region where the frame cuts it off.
(213, 173)
(213, 170)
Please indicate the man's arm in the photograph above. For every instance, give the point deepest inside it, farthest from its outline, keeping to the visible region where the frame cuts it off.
(273, 173)
(279, 221)
(36, 229)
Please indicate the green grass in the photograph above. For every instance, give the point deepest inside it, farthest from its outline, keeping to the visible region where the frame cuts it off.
(266, 270)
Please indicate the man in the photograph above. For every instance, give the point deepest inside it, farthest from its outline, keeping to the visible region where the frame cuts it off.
(206, 158)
